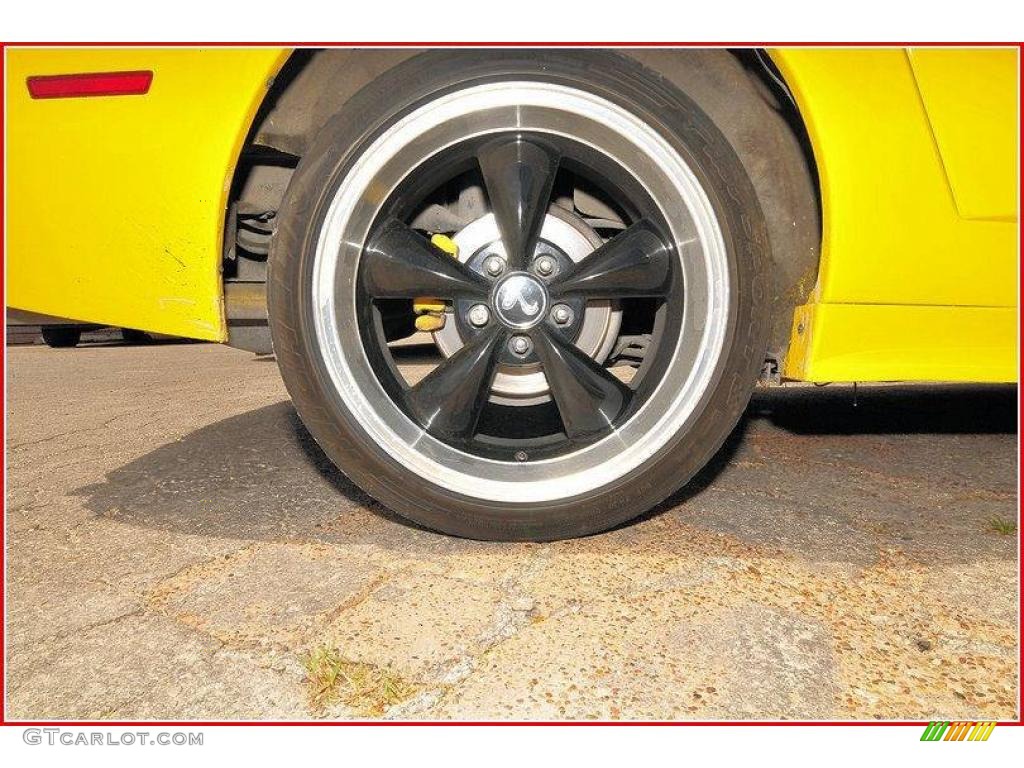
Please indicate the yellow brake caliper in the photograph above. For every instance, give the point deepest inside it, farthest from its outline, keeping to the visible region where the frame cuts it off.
(429, 310)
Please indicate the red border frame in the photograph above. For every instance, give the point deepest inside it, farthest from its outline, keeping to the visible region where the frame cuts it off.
(480, 44)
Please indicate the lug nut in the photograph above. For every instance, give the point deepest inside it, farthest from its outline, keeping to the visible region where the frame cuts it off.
(520, 345)
(561, 314)
(478, 316)
(494, 265)
(545, 266)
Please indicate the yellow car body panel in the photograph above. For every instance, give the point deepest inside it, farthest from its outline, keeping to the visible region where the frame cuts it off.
(911, 285)
(116, 204)
(886, 342)
(971, 102)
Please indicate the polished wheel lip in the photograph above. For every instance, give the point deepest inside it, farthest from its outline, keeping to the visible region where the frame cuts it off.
(537, 107)
(520, 301)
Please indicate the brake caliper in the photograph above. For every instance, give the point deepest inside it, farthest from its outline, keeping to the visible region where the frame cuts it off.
(429, 311)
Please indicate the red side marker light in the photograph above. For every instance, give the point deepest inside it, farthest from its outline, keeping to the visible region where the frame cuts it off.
(90, 84)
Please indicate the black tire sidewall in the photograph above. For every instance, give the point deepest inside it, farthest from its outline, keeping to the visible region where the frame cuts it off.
(61, 337)
(304, 208)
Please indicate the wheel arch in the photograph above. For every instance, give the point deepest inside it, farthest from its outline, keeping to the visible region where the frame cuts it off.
(739, 90)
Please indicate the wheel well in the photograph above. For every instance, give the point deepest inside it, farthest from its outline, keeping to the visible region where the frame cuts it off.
(739, 90)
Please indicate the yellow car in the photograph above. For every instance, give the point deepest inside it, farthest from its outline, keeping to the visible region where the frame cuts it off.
(607, 249)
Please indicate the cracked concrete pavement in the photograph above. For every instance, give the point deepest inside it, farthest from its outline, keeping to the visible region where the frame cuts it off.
(177, 544)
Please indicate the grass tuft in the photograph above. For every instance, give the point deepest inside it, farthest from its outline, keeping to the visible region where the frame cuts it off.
(1002, 526)
(365, 688)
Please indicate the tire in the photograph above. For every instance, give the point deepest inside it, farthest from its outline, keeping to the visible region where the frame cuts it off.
(60, 337)
(359, 423)
(132, 336)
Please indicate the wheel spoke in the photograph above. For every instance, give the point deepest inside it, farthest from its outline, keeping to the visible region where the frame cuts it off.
(400, 263)
(449, 401)
(518, 175)
(588, 397)
(634, 263)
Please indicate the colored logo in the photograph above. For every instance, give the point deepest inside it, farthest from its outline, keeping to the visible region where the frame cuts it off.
(958, 731)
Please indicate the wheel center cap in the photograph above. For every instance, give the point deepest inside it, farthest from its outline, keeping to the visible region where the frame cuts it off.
(520, 300)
